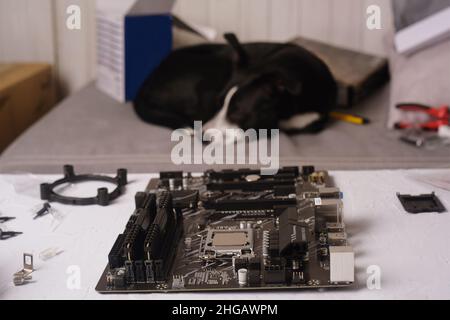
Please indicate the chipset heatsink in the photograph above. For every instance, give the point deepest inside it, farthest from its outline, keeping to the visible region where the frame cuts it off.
(227, 242)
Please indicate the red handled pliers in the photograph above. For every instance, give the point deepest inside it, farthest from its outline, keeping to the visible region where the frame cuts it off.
(437, 116)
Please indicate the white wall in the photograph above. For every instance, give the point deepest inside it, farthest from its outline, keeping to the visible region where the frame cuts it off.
(341, 22)
(34, 30)
(75, 49)
(26, 30)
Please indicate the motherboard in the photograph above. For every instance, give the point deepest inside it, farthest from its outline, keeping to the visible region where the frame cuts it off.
(233, 230)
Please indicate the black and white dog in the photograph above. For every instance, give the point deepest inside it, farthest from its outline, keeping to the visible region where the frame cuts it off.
(254, 85)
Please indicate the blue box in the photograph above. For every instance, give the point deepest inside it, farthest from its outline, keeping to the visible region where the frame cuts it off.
(133, 37)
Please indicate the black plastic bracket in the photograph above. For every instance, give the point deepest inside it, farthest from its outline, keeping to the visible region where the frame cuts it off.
(103, 198)
(421, 203)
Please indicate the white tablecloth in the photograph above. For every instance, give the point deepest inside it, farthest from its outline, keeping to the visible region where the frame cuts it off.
(412, 251)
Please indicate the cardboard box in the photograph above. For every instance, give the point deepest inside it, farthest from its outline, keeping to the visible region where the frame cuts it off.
(26, 94)
(6, 129)
(133, 37)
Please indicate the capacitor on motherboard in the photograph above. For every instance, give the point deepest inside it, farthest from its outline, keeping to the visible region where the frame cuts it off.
(252, 178)
(242, 277)
(295, 265)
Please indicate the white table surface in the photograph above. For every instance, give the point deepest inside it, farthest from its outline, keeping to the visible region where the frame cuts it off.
(413, 251)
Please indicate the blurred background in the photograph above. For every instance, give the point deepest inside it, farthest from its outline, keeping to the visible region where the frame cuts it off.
(64, 93)
(33, 30)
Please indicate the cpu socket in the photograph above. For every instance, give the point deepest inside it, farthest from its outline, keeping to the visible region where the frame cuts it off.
(227, 242)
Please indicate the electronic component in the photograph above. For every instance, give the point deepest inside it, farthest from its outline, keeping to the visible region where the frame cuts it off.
(254, 271)
(421, 203)
(274, 274)
(23, 276)
(242, 277)
(337, 238)
(185, 199)
(342, 264)
(293, 235)
(319, 178)
(232, 230)
(227, 242)
(308, 170)
(329, 192)
(329, 208)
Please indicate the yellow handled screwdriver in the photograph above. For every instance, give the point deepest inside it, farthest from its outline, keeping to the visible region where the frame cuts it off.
(349, 118)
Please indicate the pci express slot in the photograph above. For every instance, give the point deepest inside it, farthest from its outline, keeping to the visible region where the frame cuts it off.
(259, 185)
(229, 175)
(254, 204)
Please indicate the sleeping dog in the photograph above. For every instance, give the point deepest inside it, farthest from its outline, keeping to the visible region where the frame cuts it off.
(254, 85)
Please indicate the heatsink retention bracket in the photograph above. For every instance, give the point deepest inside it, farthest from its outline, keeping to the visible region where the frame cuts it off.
(103, 197)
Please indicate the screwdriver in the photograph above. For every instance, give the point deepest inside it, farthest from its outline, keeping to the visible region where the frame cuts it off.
(350, 118)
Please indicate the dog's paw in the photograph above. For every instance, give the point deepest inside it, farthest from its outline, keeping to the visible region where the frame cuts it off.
(299, 121)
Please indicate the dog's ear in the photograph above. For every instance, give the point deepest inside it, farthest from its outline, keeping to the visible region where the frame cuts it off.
(242, 56)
